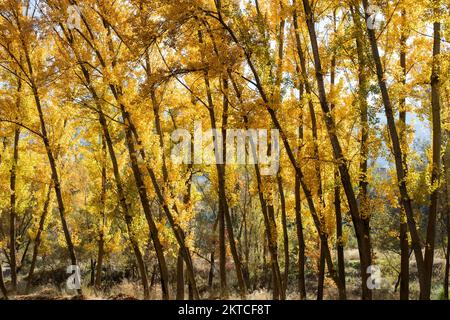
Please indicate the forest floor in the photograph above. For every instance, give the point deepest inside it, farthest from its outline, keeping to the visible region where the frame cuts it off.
(126, 289)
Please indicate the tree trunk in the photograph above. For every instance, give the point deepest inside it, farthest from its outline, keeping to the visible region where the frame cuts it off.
(92, 272)
(363, 169)
(272, 237)
(52, 162)
(404, 243)
(56, 182)
(130, 135)
(124, 205)
(212, 256)
(290, 153)
(339, 234)
(401, 169)
(270, 228)
(178, 232)
(120, 190)
(12, 215)
(180, 276)
(321, 276)
(117, 177)
(298, 206)
(285, 234)
(101, 241)
(447, 256)
(221, 176)
(363, 243)
(447, 211)
(154, 234)
(436, 161)
(300, 240)
(37, 240)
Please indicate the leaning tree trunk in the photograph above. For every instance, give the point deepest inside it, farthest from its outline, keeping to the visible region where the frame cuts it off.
(101, 240)
(37, 240)
(364, 246)
(277, 100)
(52, 162)
(221, 176)
(339, 234)
(140, 185)
(447, 210)
(447, 256)
(285, 233)
(180, 276)
(398, 154)
(436, 161)
(130, 135)
(123, 201)
(321, 276)
(117, 177)
(118, 180)
(12, 215)
(337, 188)
(290, 153)
(404, 243)
(298, 201)
(56, 181)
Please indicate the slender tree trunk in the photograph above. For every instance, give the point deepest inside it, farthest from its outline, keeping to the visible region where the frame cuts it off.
(321, 274)
(123, 202)
(447, 212)
(44, 135)
(398, 154)
(212, 255)
(363, 169)
(130, 136)
(101, 241)
(52, 162)
(246, 242)
(436, 161)
(118, 180)
(12, 215)
(221, 175)
(180, 276)
(92, 272)
(154, 234)
(37, 240)
(270, 227)
(447, 256)
(298, 201)
(290, 153)
(363, 243)
(307, 85)
(300, 240)
(272, 237)
(56, 182)
(211, 270)
(404, 243)
(117, 177)
(339, 234)
(222, 255)
(363, 91)
(178, 232)
(285, 233)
